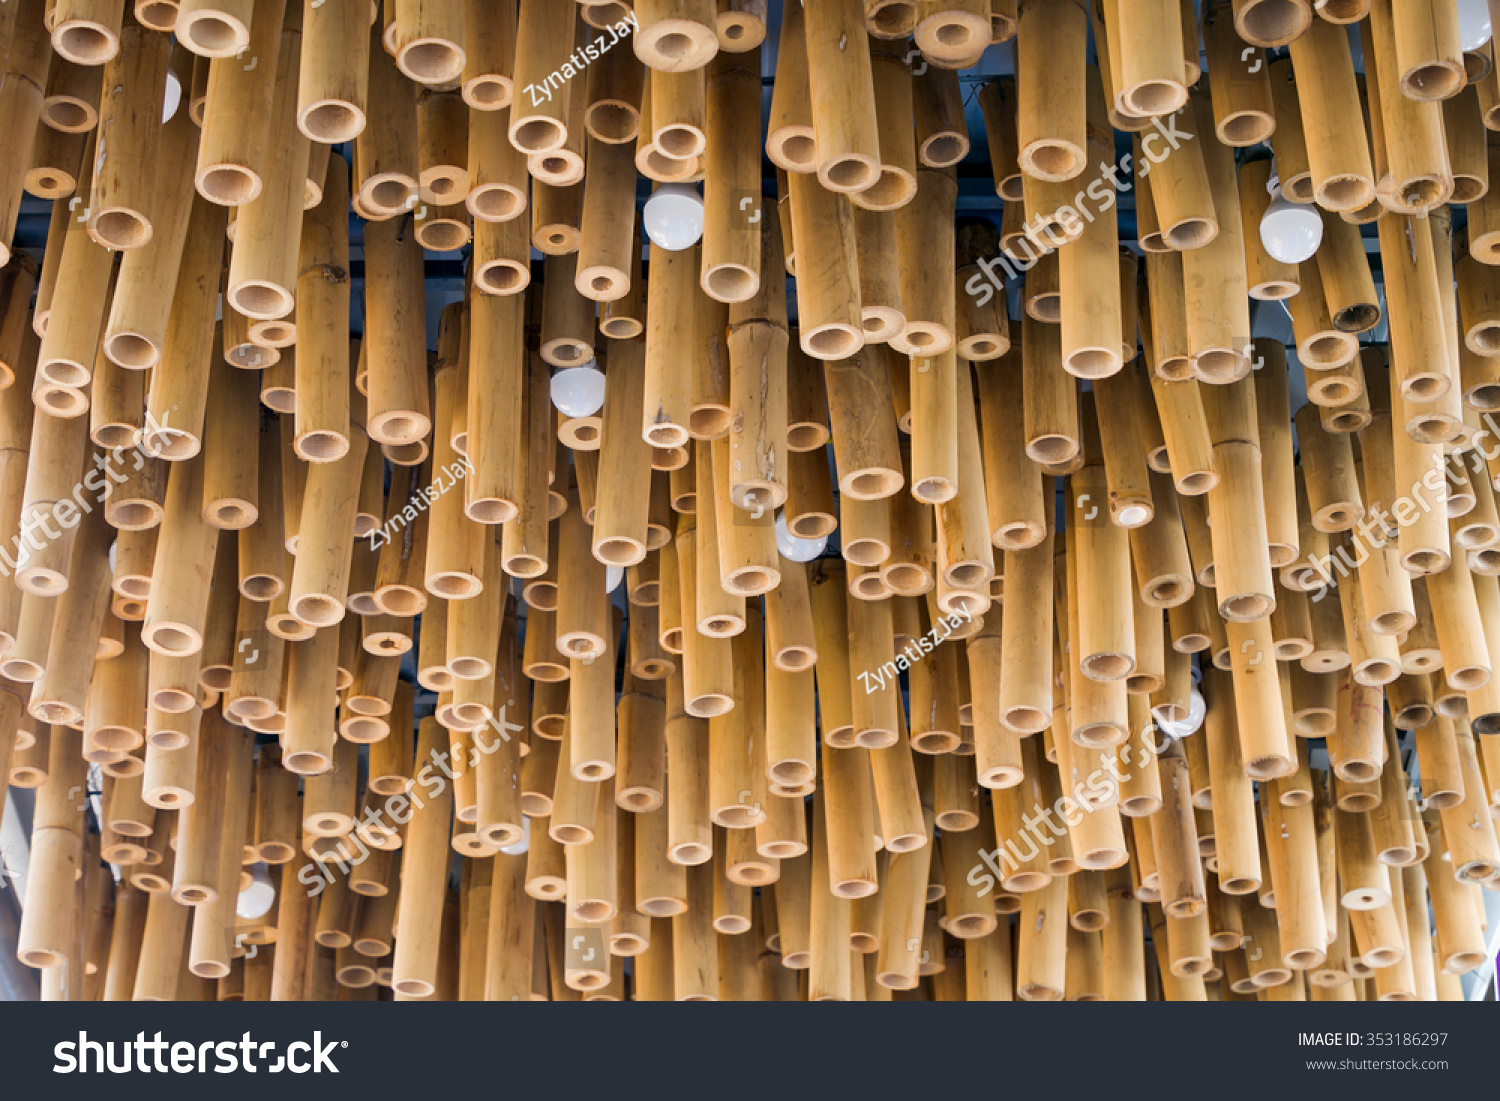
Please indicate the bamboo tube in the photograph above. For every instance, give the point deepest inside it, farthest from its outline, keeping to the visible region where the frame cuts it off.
(1218, 322)
(310, 734)
(1176, 845)
(1241, 88)
(126, 936)
(927, 289)
(545, 37)
(334, 72)
(214, 28)
(233, 151)
(669, 318)
(1238, 857)
(1040, 951)
(828, 301)
(1428, 59)
(429, 40)
(264, 266)
(1469, 830)
(1416, 175)
(1051, 100)
(397, 386)
(497, 176)
(319, 586)
(1328, 470)
(27, 64)
(1050, 397)
(934, 388)
(497, 367)
(1091, 311)
(1000, 133)
(615, 89)
(231, 497)
(1106, 643)
(209, 946)
(677, 114)
(1121, 422)
(693, 942)
(1012, 485)
(178, 602)
(1456, 924)
(1463, 127)
(161, 950)
(386, 148)
(1342, 176)
(1455, 609)
(842, 95)
(121, 197)
(68, 348)
(790, 142)
(1026, 673)
(195, 878)
(424, 875)
(1151, 53)
(60, 694)
(50, 922)
(322, 406)
(864, 435)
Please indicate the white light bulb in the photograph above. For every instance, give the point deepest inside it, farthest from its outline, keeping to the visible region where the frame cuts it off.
(256, 899)
(1290, 232)
(1473, 24)
(613, 575)
(673, 217)
(1180, 730)
(794, 548)
(578, 391)
(173, 98)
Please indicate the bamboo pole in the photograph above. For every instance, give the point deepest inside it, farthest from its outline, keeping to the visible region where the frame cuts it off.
(1339, 159)
(828, 302)
(121, 197)
(424, 865)
(1050, 89)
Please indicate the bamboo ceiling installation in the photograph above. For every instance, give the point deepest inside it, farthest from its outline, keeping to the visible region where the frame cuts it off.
(718, 499)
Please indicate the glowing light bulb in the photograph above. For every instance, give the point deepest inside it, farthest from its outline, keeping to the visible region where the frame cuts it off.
(173, 97)
(1181, 729)
(256, 899)
(578, 391)
(1290, 232)
(673, 217)
(1473, 24)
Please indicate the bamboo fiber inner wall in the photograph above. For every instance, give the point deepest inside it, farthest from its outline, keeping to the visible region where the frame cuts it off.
(951, 597)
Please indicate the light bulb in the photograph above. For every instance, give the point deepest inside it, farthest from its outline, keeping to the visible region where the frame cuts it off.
(613, 575)
(256, 899)
(673, 217)
(1290, 232)
(1473, 24)
(578, 391)
(794, 548)
(1180, 730)
(173, 97)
